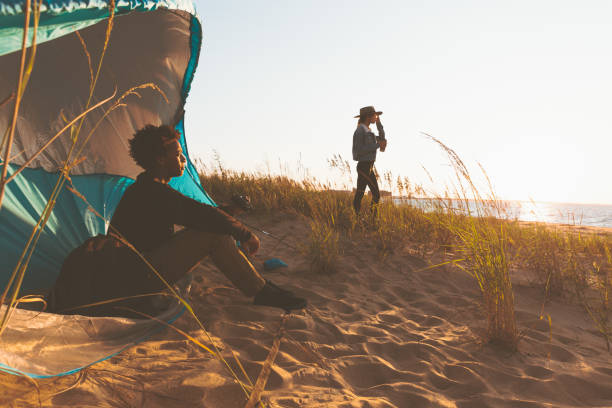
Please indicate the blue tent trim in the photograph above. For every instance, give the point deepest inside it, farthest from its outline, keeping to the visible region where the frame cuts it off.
(194, 189)
(61, 17)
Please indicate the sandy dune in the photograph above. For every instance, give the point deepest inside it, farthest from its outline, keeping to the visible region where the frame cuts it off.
(376, 334)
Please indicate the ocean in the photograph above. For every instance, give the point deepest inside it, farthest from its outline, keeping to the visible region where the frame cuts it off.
(595, 215)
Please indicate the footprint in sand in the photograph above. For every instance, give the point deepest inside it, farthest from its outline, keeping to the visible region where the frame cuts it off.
(538, 372)
(464, 376)
(368, 371)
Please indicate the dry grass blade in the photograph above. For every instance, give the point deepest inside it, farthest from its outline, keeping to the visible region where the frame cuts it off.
(82, 376)
(109, 301)
(27, 299)
(15, 156)
(92, 88)
(321, 361)
(237, 360)
(24, 77)
(600, 308)
(117, 104)
(28, 70)
(128, 382)
(260, 384)
(58, 134)
(484, 245)
(88, 55)
(18, 273)
(7, 99)
(17, 276)
(7, 144)
(176, 329)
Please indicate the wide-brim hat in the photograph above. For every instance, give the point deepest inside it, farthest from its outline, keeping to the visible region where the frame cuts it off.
(367, 111)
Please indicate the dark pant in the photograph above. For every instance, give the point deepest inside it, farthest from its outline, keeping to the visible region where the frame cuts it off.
(103, 268)
(366, 177)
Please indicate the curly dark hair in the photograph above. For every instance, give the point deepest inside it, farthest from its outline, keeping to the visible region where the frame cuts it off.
(149, 143)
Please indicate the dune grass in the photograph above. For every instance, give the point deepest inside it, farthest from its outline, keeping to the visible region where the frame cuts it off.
(472, 231)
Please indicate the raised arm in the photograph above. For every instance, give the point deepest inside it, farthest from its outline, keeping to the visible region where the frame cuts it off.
(381, 135)
(193, 214)
(381, 130)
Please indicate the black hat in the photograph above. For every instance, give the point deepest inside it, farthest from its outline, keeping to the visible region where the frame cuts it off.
(367, 111)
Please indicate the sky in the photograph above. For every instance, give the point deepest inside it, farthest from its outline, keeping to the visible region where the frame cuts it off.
(523, 88)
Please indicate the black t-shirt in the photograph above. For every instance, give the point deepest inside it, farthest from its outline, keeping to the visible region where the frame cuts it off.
(149, 210)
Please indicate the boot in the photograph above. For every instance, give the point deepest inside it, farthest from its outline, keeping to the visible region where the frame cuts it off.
(272, 295)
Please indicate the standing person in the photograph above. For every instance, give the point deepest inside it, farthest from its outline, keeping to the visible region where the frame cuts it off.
(103, 268)
(365, 144)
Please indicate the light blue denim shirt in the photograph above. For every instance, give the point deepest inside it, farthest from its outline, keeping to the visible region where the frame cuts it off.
(365, 143)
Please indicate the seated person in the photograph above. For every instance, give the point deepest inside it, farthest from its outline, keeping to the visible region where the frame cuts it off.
(104, 267)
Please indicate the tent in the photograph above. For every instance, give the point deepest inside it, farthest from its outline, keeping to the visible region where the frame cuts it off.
(152, 42)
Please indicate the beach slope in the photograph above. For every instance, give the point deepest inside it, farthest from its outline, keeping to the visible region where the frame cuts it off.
(377, 333)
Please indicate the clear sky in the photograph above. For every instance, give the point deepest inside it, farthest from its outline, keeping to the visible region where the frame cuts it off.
(522, 87)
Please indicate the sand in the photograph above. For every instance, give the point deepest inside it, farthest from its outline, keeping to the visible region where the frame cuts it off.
(378, 333)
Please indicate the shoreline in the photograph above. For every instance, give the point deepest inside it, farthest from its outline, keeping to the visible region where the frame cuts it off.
(587, 229)
(602, 228)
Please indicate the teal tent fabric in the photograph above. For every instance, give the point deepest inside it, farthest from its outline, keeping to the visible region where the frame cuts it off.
(62, 17)
(153, 42)
(69, 225)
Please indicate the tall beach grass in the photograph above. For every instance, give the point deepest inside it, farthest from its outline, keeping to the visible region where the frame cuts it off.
(468, 228)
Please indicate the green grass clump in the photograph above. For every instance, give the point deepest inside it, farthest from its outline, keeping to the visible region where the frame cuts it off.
(597, 301)
(484, 248)
(323, 247)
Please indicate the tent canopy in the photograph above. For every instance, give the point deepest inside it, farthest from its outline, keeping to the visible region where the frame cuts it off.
(152, 42)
